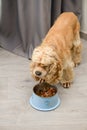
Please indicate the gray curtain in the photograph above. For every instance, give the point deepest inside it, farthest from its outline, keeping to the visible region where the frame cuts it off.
(24, 23)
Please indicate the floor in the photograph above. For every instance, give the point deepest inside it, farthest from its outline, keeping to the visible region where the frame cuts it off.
(16, 89)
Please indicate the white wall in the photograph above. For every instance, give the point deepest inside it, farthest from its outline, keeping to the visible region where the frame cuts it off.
(84, 17)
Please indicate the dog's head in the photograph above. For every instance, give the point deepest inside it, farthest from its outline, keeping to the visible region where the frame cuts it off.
(46, 65)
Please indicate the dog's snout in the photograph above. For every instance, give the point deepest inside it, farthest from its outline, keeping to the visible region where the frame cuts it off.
(38, 73)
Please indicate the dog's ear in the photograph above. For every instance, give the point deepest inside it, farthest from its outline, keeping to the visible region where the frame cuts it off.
(55, 72)
(59, 66)
(55, 68)
(59, 70)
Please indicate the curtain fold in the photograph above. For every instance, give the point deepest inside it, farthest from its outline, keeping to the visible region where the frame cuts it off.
(24, 23)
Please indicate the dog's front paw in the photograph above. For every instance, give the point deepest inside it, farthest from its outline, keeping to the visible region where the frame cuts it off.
(66, 84)
(76, 64)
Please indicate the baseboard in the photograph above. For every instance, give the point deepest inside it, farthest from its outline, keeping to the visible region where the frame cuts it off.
(83, 35)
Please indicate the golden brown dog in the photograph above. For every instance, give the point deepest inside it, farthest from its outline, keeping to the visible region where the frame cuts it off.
(54, 60)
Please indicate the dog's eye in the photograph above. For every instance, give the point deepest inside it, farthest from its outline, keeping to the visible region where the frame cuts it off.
(47, 66)
(44, 67)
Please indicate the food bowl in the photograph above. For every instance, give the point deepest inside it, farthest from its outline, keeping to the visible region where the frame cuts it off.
(45, 97)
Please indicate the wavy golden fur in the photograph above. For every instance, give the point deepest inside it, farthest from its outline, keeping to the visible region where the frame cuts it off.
(54, 60)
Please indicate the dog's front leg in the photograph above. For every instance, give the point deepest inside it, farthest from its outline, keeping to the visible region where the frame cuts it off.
(67, 77)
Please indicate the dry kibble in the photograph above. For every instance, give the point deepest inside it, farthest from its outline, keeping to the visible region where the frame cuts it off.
(45, 90)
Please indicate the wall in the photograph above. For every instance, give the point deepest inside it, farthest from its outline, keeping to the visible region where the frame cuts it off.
(84, 17)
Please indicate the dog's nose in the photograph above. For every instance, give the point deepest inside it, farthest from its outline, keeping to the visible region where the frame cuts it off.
(38, 73)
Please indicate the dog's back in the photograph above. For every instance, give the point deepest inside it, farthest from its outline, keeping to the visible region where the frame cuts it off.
(65, 29)
(67, 19)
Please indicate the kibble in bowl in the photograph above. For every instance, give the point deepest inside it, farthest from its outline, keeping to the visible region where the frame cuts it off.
(45, 90)
(45, 97)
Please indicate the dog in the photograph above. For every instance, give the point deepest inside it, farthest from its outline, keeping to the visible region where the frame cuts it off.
(54, 60)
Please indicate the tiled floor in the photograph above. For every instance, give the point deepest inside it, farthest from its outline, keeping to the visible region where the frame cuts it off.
(16, 88)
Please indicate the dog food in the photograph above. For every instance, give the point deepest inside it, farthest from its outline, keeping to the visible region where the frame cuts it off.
(45, 90)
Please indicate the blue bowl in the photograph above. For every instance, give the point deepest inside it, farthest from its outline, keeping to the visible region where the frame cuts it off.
(44, 103)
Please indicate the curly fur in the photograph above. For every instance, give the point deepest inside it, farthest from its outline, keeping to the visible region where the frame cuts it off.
(59, 52)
